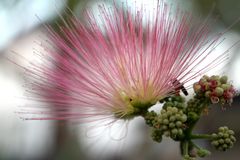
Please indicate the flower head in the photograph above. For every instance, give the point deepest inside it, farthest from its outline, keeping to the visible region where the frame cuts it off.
(215, 88)
(124, 67)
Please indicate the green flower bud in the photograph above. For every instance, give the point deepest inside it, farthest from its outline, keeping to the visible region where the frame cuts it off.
(180, 132)
(224, 79)
(225, 86)
(206, 77)
(163, 111)
(215, 143)
(178, 117)
(172, 118)
(178, 123)
(219, 91)
(228, 140)
(233, 139)
(184, 118)
(231, 132)
(214, 77)
(174, 110)
(164, 127)
(164, 116)
(214, 135)
(221, 141)
(165, 121)
(171, 125)
(174, 131)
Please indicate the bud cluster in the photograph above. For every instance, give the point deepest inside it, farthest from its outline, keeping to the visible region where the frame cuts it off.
(175, 101)
(157, 135)
(171, 122)
(194, 105)
(178, 118)
(150, 118)
(224, 139)
(215, 88)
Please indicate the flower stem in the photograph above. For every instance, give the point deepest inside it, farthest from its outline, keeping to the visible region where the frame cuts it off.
(201, 136)
(185, 148)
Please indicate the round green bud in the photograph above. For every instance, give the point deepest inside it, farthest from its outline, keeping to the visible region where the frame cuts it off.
(172, 118)
(180, 105)
(231, 132)
(164, 116)
(178, 116)
(174, 110)
(184, 118)
(171, 125)
(224, 79)
(169, 113)
(225, 135)
(178, 123)
(220, 134)
(228, 140)
(205, 77)
(233, 139)
(225, 86)
(215, 77)
(215, 143)
(214, 135)
(169, 104)
(225, 146)
(219, 91)
(221, 129)
(165, 121)
(221, 141)
(180, 132)
(174, 131)
(164, 127)
(163, 111)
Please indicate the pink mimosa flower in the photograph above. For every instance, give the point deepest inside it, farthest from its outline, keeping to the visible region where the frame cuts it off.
(122, 68)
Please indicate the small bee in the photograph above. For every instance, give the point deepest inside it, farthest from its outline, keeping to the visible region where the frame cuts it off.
(179, 86)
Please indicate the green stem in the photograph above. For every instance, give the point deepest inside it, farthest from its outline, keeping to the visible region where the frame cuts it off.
(201, 136)
(188, 133)
(192, 124)
(185, 148)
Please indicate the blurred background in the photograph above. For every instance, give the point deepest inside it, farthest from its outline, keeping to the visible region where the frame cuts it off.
(21, 28)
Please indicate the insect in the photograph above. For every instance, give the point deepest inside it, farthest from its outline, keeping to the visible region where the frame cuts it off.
(179, 86)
